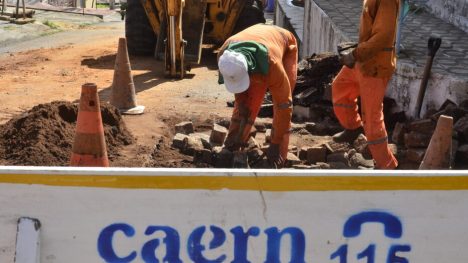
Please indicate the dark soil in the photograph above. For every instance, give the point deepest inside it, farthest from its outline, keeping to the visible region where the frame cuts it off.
(43, 136)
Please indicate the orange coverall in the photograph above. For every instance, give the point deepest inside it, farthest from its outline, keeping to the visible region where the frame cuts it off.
(375, 64)
(280, 81)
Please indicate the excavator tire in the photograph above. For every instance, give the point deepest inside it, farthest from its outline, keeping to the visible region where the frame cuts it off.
(141, 39)
(249, 16)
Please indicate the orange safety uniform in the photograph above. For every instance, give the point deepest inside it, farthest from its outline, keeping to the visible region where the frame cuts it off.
(280, 81)
(375, 64)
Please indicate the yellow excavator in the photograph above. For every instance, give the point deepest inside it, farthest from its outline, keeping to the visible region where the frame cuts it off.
(180, 27)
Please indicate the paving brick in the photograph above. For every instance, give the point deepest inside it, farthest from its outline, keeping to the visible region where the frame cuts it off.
(292, 159)
(178, 140)
(222, 157)
(184, 127)
(398, 134)
(316, 154)
(303, 153)
(218, 134)
(426, 126)
(461, 126)
(192, 144)
(240, 160)
(338, 165)
(414, 139)
(415, 155)
(339, 157)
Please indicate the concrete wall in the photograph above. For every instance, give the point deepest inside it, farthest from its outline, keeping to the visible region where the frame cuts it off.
(453, 11)
(405, 85)
(320, 34)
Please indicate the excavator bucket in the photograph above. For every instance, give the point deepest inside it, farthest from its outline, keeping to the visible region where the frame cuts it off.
(193, 25)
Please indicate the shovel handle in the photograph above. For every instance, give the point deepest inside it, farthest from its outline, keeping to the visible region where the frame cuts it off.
(433, 46)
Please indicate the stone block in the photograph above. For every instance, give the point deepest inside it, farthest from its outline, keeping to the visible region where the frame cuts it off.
(222, 157)
(266, 110)
(415, 155)
(252, 143)
(361, 146)
(218, 134)
(192, 144)
(303, 153)
(461, 126)
(292, 159)
(323, 165)
(184, 127)
(425, 126)
(357, 160)
(203, 156)
(240, 160)
(268, 136)
(254, 155)
(204, 139)
(337, 165)
(398, 134)
(338, 157)
(333, 147)
(260, 126)
(224, 122)
(178, 141)
(462, 154)
(316, 154)
(416, 140)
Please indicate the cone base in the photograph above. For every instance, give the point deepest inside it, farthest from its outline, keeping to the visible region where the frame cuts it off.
(133, 111)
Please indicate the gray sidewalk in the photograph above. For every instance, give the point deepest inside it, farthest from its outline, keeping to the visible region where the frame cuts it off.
(452, 57)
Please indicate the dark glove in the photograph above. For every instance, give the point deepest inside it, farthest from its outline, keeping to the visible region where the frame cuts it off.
(273, 155)
(348, 60)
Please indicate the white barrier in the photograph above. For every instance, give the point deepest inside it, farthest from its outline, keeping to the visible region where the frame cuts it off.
(203, 215)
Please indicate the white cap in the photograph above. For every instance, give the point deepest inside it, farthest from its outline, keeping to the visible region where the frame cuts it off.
(233, 67)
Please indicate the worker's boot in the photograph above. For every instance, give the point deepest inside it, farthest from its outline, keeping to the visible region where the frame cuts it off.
(348, 136)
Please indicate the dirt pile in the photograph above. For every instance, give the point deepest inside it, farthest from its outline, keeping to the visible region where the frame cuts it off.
(43, 136)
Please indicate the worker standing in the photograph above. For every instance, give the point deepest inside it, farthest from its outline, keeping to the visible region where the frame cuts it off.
(258, 58)
(366, 73)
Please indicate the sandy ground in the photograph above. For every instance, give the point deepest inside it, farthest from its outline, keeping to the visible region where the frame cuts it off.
(73, 58)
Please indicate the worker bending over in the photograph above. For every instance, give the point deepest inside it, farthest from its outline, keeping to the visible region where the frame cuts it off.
(259, 58)
(366, 73)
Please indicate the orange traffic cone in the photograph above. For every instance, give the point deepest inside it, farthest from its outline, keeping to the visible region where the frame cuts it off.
(89, 147)
(123, 90)
(438, 154)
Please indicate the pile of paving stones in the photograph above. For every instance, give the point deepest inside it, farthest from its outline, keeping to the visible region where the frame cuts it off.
(413, 137)
(207, 148)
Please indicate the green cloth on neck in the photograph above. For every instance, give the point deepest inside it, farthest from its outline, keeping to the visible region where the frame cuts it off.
(256, 55)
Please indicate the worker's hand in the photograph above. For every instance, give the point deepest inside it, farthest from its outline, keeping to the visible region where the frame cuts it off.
(348, 60)
(273, 155)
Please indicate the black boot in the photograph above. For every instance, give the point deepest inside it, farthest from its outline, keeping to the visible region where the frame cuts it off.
(348, 135)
